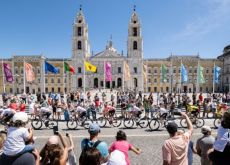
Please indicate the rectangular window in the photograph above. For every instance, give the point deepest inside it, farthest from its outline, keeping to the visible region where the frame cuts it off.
(46, 90)
(135, 69)
(155, 89)
(119, 69)
(79, 70)
(59, 89)
(149, 89)
(52, 89)
(155, 70)
(102, 84)
(39, 90)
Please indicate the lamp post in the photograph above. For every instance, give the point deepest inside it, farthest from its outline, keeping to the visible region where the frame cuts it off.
(15, 75)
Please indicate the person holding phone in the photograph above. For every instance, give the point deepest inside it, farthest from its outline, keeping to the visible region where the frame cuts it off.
(53, 152)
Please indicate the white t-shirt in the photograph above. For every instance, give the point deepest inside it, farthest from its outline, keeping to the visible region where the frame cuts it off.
(80, 109)
(15, 140)
(31, 108)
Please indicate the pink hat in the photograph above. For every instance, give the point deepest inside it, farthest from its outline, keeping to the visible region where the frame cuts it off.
(53, 140)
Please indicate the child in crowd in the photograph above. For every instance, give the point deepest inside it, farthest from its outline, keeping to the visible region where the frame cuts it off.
(122, 145)
(17, 136)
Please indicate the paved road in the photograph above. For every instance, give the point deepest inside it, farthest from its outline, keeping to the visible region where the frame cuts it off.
(149, 142)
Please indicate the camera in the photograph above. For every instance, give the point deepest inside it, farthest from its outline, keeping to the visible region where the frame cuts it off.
(55, 130)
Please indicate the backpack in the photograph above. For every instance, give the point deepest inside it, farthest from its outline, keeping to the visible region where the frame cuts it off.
(93, 146)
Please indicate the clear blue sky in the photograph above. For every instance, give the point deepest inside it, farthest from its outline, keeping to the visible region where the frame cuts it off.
(183, 27)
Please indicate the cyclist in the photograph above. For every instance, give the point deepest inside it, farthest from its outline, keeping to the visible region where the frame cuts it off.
(7, 114)
(81, 112)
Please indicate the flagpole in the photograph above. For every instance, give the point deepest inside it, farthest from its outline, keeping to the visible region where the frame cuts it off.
(180, 75)
(24, 76)
(171, 82)
(3, 78)
(84, 77)
(104, 74)
(146, 73)
(161, 78)
(123, 77)
(197, 77)
(213, 82)
(63, 76)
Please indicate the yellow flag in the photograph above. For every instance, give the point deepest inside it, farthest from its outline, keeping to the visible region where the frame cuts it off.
(90, 67)
(127, 75)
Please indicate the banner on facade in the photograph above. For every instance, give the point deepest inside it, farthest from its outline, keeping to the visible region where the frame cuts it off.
(30, 76)
(8, 73)
(108, 72)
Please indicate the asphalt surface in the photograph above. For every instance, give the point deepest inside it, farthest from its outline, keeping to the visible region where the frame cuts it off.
(150, 142)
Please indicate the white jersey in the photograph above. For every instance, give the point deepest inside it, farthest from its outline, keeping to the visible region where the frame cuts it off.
(7, 111)
(80, 109)
(163, 110)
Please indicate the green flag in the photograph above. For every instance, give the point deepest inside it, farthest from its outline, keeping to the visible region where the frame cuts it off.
(164, 73)
(200, 75)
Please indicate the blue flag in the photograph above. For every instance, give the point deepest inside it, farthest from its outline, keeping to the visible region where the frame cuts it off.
(216, 74)
(50, 68)
(184, 74)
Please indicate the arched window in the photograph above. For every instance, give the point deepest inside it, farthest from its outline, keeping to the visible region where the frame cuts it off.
(79, 82)
(119, 82)
(95, 82)
(79, 31)
(134, 45)
(79, 45)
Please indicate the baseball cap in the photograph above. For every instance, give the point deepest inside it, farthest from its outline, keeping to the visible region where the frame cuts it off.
(94, 128)
(20, 116)
(172, 127)
(206, 129)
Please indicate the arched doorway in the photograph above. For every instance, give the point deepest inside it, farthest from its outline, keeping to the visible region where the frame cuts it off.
(79, 81)
(119, 82)
(135, 82)
(95, 83)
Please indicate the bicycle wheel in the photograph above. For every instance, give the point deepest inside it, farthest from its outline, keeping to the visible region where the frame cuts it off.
(216, 122)
(183, 123)
(128, 123)
(86, 123)
(143, 122)
(199, 122)
(36, 124)
(154, 124)
(116, 122)
(52, 123)
(101, 121)
(71, 124)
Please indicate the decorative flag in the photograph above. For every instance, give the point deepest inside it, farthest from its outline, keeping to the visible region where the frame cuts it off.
(164, 73)
(216, 74)
(144, 72)
(90, 67)
(50, 68)
(200, 75)
(8, 73)
(69, 68)
(30, 76)
(184, 74)
(127, 75)
(108, 74)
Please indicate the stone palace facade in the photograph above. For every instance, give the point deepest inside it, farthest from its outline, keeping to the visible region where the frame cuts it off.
(147, 80)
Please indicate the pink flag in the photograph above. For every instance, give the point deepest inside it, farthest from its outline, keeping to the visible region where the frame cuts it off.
(29, 72)
(108, 74)
(8, 73)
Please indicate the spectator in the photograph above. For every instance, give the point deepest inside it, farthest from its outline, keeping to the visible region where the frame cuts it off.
(90, 156)
(221, 147)
(175, 149)
(93, 142)
(122, 145)
(52, 153)
(17, 136)
(205, 143)
(2, 140)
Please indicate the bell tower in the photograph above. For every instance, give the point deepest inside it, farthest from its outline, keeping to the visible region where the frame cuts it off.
(135, 43)
(80, 42)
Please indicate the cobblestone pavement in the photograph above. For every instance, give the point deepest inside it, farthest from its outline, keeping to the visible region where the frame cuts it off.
(149, 142)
